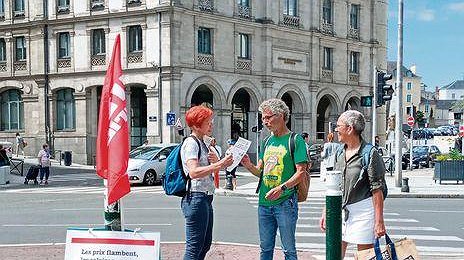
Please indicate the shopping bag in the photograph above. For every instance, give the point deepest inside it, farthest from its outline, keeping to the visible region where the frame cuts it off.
(403, 249)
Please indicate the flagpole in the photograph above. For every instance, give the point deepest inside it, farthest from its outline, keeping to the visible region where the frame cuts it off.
(113, 141)
(112, 212)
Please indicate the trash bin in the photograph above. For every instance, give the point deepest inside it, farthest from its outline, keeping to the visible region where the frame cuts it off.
(67, 158)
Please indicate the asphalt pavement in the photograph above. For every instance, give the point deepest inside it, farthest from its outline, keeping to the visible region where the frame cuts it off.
(421, 185)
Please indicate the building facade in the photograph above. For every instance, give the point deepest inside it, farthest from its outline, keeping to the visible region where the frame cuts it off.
(412, 87)
(318, 56)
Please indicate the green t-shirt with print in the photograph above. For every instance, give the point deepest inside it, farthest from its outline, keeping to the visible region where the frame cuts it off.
(278, 165)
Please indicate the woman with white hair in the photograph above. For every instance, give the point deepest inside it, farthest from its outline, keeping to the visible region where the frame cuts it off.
(362, 187)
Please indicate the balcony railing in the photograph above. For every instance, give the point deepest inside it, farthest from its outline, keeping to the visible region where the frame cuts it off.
(327, 28)
(62, 9)
(19, 13)
(20, 65)
(3, 66)
(353, 33)
(97, 4)
(244, 11)
(98, 60)
(327, 75)
(353, 78)
(133, 2)
(134, 57)
(243, 64)
(205, 60)
(206, 5)
(290, 20)
(63, 63)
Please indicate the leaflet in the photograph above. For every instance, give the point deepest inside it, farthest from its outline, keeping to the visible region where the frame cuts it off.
(239, 150)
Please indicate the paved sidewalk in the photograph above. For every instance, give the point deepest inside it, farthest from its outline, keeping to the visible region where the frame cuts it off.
(169, 251)
(421, 185)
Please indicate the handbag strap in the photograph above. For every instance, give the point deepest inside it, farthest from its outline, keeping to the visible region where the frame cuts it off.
(378, 252)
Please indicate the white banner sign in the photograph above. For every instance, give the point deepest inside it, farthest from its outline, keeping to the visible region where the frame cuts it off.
(111, 245)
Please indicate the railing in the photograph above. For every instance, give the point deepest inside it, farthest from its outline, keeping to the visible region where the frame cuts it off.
(62, 9)
(244, 11)
(3, 67)
(353, 33)
(205, 59)
(327, 28)
(64, 63)
(290, 20)
(98, 60)
(243, 64)
(134, 57)
(205, 5)
(19, 65)
(354, 77)
(327, 75)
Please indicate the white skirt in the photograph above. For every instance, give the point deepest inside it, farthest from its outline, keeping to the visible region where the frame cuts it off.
(359, 227)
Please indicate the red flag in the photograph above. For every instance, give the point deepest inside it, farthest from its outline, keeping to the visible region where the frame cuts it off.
(113, 133)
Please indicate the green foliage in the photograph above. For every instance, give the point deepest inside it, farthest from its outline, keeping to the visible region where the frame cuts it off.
(420, 117)
(454, 155)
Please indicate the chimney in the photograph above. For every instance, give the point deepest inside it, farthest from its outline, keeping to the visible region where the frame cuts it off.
(413, 69)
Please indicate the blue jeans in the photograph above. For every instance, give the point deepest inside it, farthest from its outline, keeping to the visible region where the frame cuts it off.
(44, 171)
(198, 213)
(283, 216)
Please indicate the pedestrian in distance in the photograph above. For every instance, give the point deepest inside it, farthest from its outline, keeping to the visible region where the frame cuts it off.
(362, 186)
(328, 155)
(280, 171)
(231, 177)
(199, 162)
(4, 161)
(44, 162)
(20, 144)
(306, 138)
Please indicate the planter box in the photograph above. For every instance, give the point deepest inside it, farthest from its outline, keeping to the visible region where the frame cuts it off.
(450, 170)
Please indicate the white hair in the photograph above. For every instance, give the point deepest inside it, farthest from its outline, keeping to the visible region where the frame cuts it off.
(276, 106)
(355, 119)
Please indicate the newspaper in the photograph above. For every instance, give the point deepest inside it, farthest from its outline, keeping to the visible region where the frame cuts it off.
(239, 150)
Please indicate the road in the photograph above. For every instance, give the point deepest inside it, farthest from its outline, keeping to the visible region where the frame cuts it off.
(40, 214)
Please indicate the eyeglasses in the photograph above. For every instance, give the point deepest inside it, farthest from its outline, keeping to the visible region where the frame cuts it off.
(267, 118)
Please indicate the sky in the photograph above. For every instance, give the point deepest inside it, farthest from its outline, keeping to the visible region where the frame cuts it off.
(433, 39)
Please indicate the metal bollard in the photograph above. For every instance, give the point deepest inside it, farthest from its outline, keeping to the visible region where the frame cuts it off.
(405, 186)
(333, 216)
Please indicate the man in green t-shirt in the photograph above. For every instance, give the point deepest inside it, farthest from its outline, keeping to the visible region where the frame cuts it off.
(278, 203)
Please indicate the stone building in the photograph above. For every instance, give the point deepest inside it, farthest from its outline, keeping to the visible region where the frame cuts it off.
(318, 56)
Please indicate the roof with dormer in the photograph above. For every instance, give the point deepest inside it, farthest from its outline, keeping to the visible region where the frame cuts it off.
(391, 69)
(457, 84)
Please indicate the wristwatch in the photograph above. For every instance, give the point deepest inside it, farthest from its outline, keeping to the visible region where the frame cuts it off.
(283, 187)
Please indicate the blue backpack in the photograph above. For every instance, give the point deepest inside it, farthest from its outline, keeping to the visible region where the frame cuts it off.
(175, 181)
(366, 156)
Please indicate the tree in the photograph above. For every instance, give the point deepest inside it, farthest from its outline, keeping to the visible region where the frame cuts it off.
(420, 119)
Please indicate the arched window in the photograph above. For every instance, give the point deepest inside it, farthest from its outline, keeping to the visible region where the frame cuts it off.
(65, 110)
(11, 109)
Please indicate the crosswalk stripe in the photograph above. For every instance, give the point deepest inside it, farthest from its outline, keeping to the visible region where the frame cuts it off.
(86, 190)
(425, 237)
(401, 228)
(407, 220)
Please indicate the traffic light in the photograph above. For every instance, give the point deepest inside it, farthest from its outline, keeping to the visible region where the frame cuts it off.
(384, 90)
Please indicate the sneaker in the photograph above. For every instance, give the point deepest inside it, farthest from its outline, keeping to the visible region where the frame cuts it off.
(46, 182)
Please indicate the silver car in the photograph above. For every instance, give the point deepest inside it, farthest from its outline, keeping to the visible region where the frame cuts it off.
(148, 163)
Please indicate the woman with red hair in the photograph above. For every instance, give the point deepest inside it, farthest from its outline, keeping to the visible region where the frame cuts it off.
(199, 162)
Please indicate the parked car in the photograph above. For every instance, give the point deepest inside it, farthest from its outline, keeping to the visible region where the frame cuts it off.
(315, 154)
(421, 156)
(148, 163)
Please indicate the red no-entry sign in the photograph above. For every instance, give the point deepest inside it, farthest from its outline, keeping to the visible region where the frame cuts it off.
(461, 130)
(410, 121)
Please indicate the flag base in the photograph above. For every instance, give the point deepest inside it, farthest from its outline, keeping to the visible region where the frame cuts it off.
(113, 217)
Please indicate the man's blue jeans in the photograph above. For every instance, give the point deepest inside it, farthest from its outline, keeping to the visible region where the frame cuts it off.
(198, 213)
(283, 216)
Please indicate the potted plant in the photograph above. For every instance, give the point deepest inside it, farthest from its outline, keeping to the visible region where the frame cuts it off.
(449, 167)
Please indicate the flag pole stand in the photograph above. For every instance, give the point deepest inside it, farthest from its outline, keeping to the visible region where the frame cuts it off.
(113, 220)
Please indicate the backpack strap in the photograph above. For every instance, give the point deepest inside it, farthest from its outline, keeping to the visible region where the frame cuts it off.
(291, 146)
(366, 156)
(266, 141)
(189, 180)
